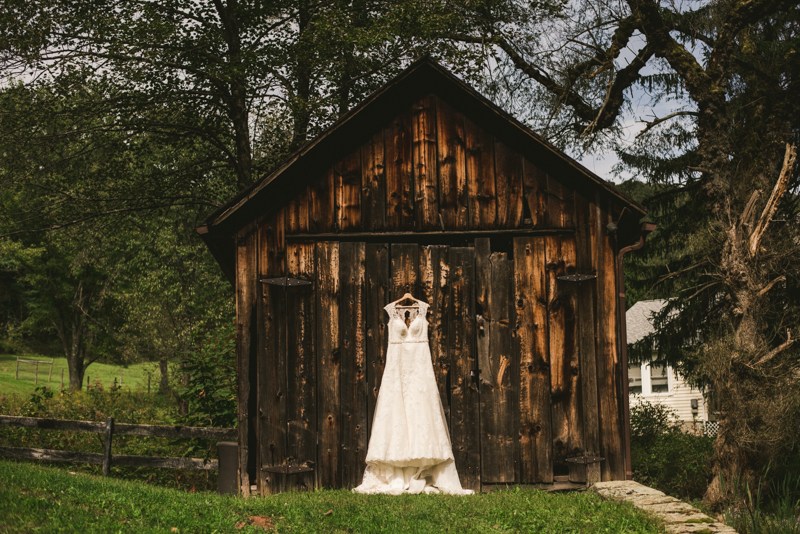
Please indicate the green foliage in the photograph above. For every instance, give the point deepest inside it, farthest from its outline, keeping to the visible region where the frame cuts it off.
(35, 497)
(664, 456)
(771, 507)
(649, 420)
(96, 404)
(211, 370)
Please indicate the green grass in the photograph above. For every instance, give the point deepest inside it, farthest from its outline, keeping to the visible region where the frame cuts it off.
(36, 498)
(134, 377)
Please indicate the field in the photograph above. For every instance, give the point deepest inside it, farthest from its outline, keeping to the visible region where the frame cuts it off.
(44, 499)
(134, 377)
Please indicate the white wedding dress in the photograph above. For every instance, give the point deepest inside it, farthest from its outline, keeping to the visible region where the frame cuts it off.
(409, 448)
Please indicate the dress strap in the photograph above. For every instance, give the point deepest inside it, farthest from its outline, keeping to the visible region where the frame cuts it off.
(391, 310)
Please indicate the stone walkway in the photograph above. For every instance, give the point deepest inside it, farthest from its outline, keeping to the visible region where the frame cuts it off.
(678, 516)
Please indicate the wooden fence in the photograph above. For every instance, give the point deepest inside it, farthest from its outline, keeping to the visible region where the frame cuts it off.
(109, 428)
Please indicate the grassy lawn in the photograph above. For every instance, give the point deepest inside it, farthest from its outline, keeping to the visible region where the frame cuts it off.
(134, 377)
(36, 498)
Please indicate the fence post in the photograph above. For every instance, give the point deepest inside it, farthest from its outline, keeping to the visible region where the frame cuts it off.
(50, 376)
(62, 379)
(120, 377)
(107, 447)
(148, 384)
(16, 373)
(36, 374)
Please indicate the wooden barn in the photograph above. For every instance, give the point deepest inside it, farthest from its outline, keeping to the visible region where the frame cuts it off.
(428, 187)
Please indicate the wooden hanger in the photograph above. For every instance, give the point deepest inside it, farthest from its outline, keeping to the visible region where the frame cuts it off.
(407, 296)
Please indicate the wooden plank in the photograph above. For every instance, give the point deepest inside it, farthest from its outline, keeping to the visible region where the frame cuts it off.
(355, 435)
(301, 367)
(496, 360)
(221, 434)
(52, 424)
(508, 179)
(423, 154)
(434, 272)
(465, 397)
(483, 289)
(480, 178)
(377, 295)
(297, 213)
(399, 178)
(535, 441)
(120, 428)
(452, 163)
(51, 455)
(610, 420)
(272, 360)
(373, 192)
(246, 358)
(585, 235)
(109, 436)
(565, 386)
(283, 482)
(434, 237)
(322, 203)
(165, 462)
(347, 175)
(329, 454)
(535, 188)
(405, 264)
(560, 204)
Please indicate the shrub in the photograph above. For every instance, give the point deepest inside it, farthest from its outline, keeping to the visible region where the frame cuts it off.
(211, 389)
(665, 457)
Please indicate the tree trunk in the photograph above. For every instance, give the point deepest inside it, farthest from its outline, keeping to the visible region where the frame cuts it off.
(302, 89)
(76, 372)
(163, 386)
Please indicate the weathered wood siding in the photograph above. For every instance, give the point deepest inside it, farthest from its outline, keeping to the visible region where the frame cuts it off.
(431, 169)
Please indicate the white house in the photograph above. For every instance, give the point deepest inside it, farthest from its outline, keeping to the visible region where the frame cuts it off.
(658, 384)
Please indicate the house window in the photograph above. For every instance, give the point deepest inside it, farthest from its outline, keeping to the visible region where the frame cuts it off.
(658, 379)
(634, 379)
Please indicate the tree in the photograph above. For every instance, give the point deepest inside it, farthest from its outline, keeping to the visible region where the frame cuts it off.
(110, 287)
(246, 80)
(727, 248)
(68, 293)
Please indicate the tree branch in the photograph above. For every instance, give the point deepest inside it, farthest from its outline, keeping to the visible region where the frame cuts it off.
(772, 204)
(657, 121)
(769, 286)
(777, 350)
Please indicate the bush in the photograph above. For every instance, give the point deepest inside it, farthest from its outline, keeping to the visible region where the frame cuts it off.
(664, 456)
(211, 389)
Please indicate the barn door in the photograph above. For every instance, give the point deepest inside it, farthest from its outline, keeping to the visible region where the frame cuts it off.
(287, 397)
(555, 340)
(316, 340)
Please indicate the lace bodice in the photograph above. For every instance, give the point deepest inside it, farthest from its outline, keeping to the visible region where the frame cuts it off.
(417, 329)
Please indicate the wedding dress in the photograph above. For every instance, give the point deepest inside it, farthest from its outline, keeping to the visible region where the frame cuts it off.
(409, 448)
